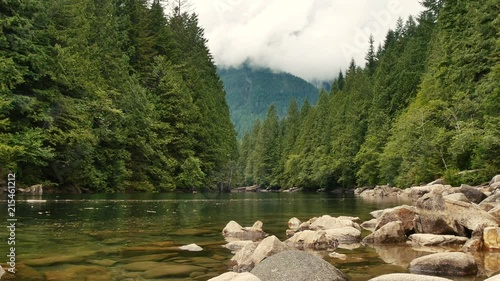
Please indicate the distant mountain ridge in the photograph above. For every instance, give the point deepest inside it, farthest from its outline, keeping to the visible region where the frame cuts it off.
(250, 92)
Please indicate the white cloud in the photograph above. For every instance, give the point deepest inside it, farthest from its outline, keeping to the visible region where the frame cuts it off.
(312, 39)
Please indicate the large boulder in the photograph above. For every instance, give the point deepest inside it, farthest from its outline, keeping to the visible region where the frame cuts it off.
(445, 264)
(297, 266)
(404, 214)
(494, 278)
(310, 239)
(252, 254)
(235, 231)
(473, 194)
(344, 235)
(407, 277)
(328, 222)
(234, 276)
(391, 233)
(433, 240)
(438, 215)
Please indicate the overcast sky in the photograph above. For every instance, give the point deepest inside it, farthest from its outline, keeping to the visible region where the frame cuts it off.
(312, 39)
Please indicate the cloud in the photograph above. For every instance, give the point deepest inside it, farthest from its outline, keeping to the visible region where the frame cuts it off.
(312, 39)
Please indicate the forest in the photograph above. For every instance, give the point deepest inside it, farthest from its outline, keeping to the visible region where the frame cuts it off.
(250, 91)
(425, 105)
(110, 96)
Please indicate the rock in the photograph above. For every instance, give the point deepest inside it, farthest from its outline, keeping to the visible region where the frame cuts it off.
(437, 215)
(370, 225)
(473, 194)
(404, 214)
(191, 248)
(445, 264)
(391, 233)
(495, 179)
(233, 276)
(237, 245)
(491, 238)
(142, 266)
(377, 214)
(234, 230)
(495, 212)
(494, 278)
(53, 260)
(337, 256)
(381, 191)
(294, 224)
(328, 222)
(33, 190)
(309, 239)
(78, 272)
(407, 277)
(432, 240)
(104, 262)
(457, 197)
(252, 254)
(344, 235)
(295, 266)
(172, 270)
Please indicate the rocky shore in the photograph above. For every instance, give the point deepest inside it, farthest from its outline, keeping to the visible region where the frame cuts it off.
(451, 232)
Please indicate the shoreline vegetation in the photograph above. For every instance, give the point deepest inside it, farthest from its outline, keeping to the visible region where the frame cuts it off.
(128, 99)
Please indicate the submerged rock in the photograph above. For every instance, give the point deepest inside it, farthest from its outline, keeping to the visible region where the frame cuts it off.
(297, 266)
(191, 248)
(172, 270)
(445, 264)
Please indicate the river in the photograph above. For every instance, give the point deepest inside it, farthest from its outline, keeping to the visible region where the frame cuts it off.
(97, 237)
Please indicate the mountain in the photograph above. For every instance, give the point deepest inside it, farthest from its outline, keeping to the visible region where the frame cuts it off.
(251, 91)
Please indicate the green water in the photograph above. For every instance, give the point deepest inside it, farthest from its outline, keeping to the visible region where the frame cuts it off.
(95, 237)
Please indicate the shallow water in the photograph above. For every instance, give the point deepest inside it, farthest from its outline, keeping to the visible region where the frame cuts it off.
(118, 237)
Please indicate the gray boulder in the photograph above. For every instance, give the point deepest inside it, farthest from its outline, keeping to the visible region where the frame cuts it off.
(407, 277)
(297, 266)
(473, 194)
(445, 264)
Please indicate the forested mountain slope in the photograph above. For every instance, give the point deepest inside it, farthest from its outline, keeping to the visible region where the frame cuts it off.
(250, 92)
(110, 95)
(424, 106)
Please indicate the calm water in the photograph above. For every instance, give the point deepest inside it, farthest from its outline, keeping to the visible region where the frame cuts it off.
(98, 237)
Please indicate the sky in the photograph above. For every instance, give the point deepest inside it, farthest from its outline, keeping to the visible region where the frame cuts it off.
(312, 39)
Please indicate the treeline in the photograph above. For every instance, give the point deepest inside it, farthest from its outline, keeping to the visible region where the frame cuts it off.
(110, 95)
(425, 105)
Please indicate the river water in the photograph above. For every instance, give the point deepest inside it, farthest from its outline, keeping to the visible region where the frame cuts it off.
(118, 237)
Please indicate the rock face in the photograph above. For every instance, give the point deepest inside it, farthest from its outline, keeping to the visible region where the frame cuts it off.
(432, 240)
(445, 264)
(252, 254)
(408, 277)
(391, 233)
(236, 231)
(491, 237)
(233, 276)
(297, 266)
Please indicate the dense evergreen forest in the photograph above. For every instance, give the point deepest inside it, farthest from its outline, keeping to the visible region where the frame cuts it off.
(250, 92)
(109, 96)
(425, 105)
